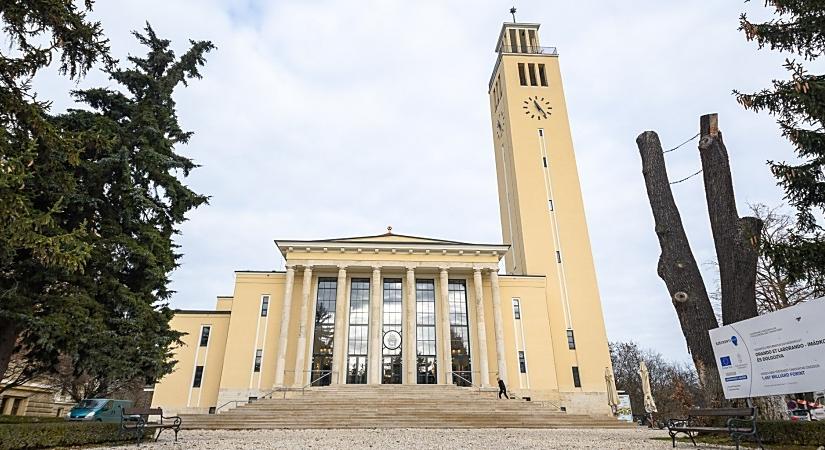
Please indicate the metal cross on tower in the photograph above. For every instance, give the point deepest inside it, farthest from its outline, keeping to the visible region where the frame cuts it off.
(513, 12)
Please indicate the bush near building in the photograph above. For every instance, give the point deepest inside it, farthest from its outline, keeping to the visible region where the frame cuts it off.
(31, 435)
(792, 433)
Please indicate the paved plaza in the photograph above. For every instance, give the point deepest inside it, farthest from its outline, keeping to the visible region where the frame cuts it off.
(624, 439)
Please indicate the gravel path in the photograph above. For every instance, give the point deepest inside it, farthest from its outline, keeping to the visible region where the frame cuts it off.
(624, 439)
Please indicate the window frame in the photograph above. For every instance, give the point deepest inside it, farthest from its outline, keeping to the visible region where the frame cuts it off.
(577, 379)
(522, 362)
(571, 339)
(256, 366)
(265, 305)
(516, 308)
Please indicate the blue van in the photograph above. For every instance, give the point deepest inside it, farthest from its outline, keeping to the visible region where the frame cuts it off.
(99, 409)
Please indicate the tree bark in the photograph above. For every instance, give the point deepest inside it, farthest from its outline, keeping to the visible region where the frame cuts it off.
(678, 269)
(736, 240)
(9, 331)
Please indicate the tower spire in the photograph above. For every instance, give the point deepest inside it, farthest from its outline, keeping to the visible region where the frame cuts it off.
(513, 12)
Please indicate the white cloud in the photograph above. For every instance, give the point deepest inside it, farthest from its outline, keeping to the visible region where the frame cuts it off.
(326, 118)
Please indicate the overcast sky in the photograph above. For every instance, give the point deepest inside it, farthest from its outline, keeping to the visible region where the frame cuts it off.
(320, 119)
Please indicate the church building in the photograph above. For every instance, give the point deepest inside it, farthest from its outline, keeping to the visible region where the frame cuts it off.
(398, 309)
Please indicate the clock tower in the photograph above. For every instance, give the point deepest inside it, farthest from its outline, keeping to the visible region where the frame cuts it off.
(542, 213)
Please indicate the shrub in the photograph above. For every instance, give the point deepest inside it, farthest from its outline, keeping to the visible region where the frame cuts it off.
(792, 433)
(29, 419)
(58, 434)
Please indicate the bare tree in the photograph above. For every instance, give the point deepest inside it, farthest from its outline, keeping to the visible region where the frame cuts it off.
(737, 243)
(775, 289)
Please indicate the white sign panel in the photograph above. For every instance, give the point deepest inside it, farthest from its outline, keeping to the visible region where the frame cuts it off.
(623, 410)
(782, 352)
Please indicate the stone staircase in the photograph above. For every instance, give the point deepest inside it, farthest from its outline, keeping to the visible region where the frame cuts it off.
(395, 406)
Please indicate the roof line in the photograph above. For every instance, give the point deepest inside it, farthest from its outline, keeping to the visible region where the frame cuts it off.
(201, 311)
(352, 238)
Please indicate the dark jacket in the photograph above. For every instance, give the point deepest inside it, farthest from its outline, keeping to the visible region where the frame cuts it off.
(501, 385)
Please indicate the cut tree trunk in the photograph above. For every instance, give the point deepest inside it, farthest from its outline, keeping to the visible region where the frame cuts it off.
(678, 269)
(736, 240)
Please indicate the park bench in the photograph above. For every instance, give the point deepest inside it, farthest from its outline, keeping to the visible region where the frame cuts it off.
(137, 421)
(741, 422)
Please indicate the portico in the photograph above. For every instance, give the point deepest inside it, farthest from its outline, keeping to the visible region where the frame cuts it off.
(425, 318)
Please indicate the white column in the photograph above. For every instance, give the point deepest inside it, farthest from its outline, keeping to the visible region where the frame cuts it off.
(499, 326)
(375, 347)
(301, 350)
(280, 362)
(482, 329)
(408, 325)
(446, 357)
(338, 344)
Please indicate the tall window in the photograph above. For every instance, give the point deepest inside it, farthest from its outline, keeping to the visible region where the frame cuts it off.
(522, 363)
(516, 309)
(264, 305)
(324, 331)
(522, 76)
(571, 340)
(359, 309)
(205, 335)
(258, 355)
(425, 331)
(542, 75)
(531, 70)
(577, 382)
(459, 333)
(196, 382)
(391, 337)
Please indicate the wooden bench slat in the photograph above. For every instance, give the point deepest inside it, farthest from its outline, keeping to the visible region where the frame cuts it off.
(722, 412)
(711, 429)
(142, 411)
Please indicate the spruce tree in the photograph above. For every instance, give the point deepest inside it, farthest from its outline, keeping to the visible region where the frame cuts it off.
(133, 198)
(798, 103)
(37, 160)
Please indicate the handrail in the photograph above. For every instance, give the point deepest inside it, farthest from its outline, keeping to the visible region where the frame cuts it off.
(231, 401)
(327, 374)
(465, 380)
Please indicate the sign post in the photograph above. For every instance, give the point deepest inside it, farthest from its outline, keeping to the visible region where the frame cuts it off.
(782, 352)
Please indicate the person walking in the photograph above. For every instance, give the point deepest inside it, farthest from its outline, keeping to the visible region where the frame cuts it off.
(502, 389)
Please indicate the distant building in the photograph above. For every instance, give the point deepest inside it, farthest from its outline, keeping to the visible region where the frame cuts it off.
(397, 309)
(34, 399)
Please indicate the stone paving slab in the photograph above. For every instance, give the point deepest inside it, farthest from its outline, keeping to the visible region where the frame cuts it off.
(488, 438)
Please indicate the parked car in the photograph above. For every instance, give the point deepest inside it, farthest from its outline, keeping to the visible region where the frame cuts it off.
(800, 415)
(99, 409)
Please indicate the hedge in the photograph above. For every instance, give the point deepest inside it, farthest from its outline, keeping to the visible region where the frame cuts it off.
(29, 419)
(792, 433)
(58, 434)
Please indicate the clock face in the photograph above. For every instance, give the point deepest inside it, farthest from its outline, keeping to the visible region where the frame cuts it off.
(536, 107)
(500, 124)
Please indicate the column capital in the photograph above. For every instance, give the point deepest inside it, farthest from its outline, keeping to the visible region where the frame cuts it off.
(290, 266)
(477, 269)
(376, 268)
(342, 268)
(443, 269)
(307, 268)
(410, 269)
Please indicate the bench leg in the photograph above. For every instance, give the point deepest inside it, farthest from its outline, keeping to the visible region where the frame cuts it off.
(759, 440)
(690, 435)
(160, 430)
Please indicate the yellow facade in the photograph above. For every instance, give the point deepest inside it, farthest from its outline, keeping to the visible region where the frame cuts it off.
(392, 308)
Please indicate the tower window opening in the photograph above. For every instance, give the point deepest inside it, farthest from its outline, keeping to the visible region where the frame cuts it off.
(522, 363)
(531, 68)
(542, 75)
(513, 41)
(205, 335)
(198, 378)
(558, 256)
(571, 340)
(577, 382)
(523, 40)
(522, 77)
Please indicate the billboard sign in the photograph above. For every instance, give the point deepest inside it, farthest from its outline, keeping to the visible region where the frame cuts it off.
(782, 352)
